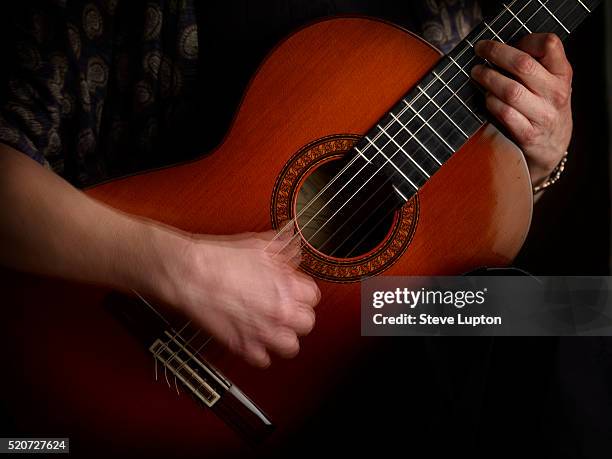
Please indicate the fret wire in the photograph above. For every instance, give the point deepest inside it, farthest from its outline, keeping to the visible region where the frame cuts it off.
(391, 162)
(443, 71)
(515, 17)
(412, 136)
(460, 68)
(493, 31)
(362, 155)
(555, 17)
(392, 139)
(548, 17)
(401, 124)
(572, 16)
(542, 18)
(584, 6)
(400, 193)
(408, 105)
(429, 126)
(429, 85)
(498, 17)
(442, 111)
(417, 114)
(455, 94)
(389, 159)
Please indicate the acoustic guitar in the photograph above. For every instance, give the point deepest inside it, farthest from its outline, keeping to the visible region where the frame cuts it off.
(379, 152)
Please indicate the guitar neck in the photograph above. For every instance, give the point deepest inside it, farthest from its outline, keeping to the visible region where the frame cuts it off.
(443, 111)
(512, 22)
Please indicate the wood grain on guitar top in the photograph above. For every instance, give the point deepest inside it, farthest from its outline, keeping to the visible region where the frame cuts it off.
(335, 77)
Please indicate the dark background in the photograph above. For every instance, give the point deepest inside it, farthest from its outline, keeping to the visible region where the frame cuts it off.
(502, 397)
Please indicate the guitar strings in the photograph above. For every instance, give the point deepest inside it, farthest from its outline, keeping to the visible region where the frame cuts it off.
(176, 335)
(376, 137)
(388, 179)
(549, 18)
(408, 106)
(294, 220)
(442, 73)
(412, 136)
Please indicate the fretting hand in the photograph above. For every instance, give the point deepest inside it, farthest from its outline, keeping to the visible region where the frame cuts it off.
(535, 104)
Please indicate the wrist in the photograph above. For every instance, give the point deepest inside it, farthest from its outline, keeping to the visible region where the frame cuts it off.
(155, 261)
(553, 176)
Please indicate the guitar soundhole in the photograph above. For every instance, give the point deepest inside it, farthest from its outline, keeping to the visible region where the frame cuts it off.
(350, 218)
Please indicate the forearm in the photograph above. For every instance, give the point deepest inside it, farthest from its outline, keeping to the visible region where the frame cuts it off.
(49, 227)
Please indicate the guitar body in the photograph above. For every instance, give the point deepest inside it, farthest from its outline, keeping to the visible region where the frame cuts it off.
(73, 370)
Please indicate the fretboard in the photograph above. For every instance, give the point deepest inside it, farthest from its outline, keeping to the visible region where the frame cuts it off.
(438, 116)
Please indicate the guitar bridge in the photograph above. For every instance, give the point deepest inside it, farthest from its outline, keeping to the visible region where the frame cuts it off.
(184, 365)
(203, 380)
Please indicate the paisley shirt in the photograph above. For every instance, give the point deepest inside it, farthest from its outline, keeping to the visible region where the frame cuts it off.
(103, 88)
(444, 23)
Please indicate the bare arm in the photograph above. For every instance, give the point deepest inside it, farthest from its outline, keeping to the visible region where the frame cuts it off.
(49, 227)
(249, 300)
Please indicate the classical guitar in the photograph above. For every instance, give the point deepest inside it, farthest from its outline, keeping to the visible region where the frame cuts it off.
(378, 150)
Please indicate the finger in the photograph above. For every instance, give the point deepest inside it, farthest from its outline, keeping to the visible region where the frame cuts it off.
(284, 343)
(287, 250)
(512, 93)
(517, 124)
(302, 320)
(257, 356)
(286, 229)
(518, 63)
(548, 49)
(307, 290)
(294, 256)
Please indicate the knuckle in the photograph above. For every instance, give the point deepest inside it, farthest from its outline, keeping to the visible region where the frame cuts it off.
(285, 344)
(316, 293)
(514, 92)
(487, 76)
(527, 136)
(281, 313)
(560, 96)
(307, 321)
(260, 360)
(311, 322)
(506, 114)
(256, 355)
(492, 49)
(237, 346)
(292, 347)
(525, 64)
(552, 42)
(312, 292)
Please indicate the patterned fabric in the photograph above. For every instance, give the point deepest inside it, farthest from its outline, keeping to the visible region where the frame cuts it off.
(96, 82)
(102, 88)
(446, 22)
